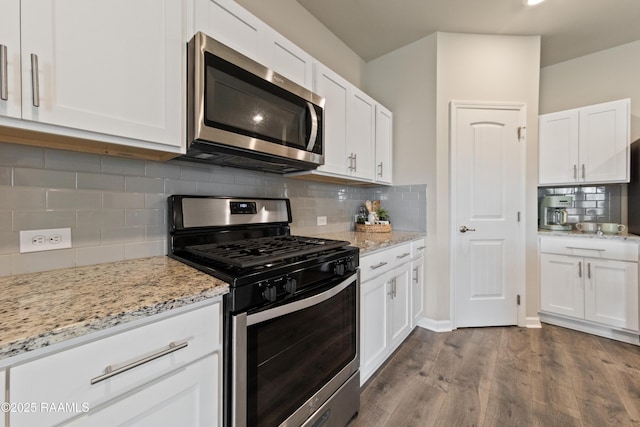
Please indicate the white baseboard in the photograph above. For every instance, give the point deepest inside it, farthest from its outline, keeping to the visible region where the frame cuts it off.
(435, 325)
(532, 322)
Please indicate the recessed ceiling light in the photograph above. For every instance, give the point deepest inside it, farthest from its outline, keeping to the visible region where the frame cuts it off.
(531, 2)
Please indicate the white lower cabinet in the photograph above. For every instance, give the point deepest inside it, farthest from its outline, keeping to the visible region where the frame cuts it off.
(417, 281)
(385, 301)
(163, 373)
(183, 398)
(594, 280)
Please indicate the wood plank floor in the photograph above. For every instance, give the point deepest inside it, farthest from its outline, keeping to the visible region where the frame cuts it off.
(505, 376)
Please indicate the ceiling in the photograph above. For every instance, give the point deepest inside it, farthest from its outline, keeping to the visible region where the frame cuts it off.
(569, 28)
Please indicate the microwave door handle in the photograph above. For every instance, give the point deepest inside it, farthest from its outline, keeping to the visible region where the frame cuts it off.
(314, 127)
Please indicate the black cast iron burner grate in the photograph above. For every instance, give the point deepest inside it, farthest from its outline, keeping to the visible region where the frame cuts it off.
(264, 250)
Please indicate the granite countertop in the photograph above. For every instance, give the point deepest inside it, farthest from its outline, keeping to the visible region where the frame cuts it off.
(575, 233)
(40, 309)
(371, 242)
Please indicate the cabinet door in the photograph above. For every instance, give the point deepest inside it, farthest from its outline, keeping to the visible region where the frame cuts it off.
(361, 134)
(373, 326)
(287, 59)
(558, 150)
(232, 25)
(611, 294)
(561, 285)
(417, 291)
(10, 90)
(113, 67)
(335, 90)
(604, 142)
(384, 145)
(400, 311)
(190, 397)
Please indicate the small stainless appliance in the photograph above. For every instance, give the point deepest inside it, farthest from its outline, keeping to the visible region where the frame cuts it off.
(291, 318)
(553, 212)
(242, 114)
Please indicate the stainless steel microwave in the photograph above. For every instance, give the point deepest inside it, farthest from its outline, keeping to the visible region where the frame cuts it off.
(242, 114)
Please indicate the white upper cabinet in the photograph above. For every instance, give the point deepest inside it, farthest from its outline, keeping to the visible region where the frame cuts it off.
(384, 145)
(112, 67)
(335, 90)
(585, 145)
(361, 130)
(559, 147)
(604, 142)
(10, 90)
(232, 25)
(288, 59)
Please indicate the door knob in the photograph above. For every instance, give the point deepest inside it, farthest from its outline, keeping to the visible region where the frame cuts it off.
(464, 229)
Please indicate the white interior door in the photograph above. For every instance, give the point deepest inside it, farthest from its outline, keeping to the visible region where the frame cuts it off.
(487, 167)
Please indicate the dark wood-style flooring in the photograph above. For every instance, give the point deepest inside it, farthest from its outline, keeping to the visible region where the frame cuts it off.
(505, 376)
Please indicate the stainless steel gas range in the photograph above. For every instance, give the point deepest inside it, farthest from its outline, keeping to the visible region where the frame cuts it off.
(291, 321)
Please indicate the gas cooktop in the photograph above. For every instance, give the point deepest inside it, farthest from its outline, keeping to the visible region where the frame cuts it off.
(265, 250)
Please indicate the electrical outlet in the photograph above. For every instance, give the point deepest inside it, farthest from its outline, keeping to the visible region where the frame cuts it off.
(322, 220)
(44, 240)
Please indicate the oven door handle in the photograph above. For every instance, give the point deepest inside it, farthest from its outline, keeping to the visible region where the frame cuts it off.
(263, 316)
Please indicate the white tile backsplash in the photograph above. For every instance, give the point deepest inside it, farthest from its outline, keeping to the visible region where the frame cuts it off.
(116, 207)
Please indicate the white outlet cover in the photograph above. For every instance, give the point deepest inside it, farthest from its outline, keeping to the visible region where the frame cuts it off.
(322, 220)
(44, 240)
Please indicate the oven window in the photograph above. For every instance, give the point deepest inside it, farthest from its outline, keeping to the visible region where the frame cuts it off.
(290, 358)
(240, 102)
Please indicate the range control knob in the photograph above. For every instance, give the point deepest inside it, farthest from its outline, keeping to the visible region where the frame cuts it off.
(291, 285)
(270, 293)
(339, 268)
(351, 265)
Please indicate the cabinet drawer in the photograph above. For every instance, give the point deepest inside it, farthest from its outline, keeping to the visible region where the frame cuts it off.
(418, 247)
(589, 247)
(380, 262)
(65, 378)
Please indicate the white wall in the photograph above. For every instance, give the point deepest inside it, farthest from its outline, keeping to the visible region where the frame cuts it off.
(418, 82)
(405, 82)
(293, 21)
(600, 77)
(489, 68)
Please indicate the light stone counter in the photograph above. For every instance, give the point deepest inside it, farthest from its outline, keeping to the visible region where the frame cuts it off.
(574, 233)
(40, 309)
(371, 242)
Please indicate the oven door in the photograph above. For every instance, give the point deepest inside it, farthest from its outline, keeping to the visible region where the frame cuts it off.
(289, 360)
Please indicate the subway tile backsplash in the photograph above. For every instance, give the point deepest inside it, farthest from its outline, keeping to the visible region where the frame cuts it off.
(116, 207)
(601, 203)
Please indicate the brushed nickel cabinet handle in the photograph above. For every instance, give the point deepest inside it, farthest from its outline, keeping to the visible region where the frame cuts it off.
(404, 255)
(575, 171)
(580, 269)
(589, 270)
(35, 83)
(355, 162)
(380, 172)
(583, 171)
(4, 78)
(381, 264)
(586, 249)
(110, 371)
(415, 276)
